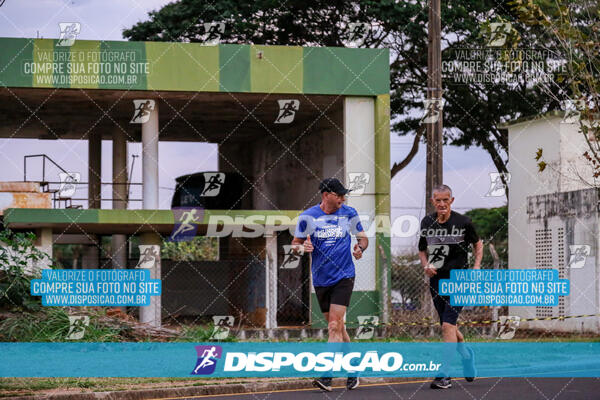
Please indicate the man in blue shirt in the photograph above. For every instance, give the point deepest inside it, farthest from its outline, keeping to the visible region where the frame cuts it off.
(324, 230)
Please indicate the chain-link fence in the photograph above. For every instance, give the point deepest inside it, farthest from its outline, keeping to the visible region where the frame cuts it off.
(412, 313)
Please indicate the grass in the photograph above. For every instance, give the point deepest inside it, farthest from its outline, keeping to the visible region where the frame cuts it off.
(35, 386)
(52, 325)
(191, 333)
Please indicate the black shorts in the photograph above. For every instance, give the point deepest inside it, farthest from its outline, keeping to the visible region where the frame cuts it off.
(446, 312)
(339, 293)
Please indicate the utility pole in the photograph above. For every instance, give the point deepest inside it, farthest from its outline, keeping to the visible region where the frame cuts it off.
(433, 113)
(433, 121)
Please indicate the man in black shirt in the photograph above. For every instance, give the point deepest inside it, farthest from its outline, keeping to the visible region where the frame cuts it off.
(444, 245)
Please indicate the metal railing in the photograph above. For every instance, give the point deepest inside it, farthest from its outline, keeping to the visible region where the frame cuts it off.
(45, 185)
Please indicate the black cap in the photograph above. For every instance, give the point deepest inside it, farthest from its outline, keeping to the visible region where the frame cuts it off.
(333, 185)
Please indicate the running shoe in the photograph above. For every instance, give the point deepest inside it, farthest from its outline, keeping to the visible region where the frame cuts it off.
(323, 384)
(441, 383)
(469, 366)
(352, 382)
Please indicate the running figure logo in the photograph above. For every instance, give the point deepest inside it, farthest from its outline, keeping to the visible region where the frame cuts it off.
(433, 110)
(357, 33)
(578, 255)
(498, 33)
(207, 359)
(291, 260)
(77, 325)
(357, 182)
(507, 326)
(223, 324)
(142, 110)
(287, 111)
(437, 254)
(68, 182)
(149, 255)
(213, 182)
(68, 33)
(213, 32)
(366, 326)
(497, 186)
(186, 227)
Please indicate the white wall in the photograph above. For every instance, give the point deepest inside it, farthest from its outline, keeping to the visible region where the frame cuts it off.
(359, 156)
(523, 141)
(563, 147)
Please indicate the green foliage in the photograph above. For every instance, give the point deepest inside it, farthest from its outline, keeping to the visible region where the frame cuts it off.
(491, 225)
(574, 28)
(51, 324)
(68, 255)
(18, 260)
(197, 333)
(198, 249)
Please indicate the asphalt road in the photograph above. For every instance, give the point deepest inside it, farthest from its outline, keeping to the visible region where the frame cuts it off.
(484, 388)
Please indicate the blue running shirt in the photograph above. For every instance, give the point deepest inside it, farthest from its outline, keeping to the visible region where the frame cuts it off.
(330, 236)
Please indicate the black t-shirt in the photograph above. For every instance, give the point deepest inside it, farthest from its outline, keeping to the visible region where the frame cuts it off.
(447, 244)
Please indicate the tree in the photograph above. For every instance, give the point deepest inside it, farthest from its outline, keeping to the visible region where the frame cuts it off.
(491, 225)
(198, 249)
(574, 27)
(19, 263)
(473, 111)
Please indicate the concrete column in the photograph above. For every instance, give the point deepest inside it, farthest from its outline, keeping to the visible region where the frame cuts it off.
(44, 243)
(151, 314)
(271, 282)
(119, 170)
(119, 195)
(94, 168)
(150, 161)
(359, 156)
(91, 254)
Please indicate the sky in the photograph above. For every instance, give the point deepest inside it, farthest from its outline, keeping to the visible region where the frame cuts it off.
(466, 171)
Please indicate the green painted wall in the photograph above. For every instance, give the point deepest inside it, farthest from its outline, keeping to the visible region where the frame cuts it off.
(122, 73)
(194, 67)
(41, 77)
(339, 70)
(43, 217)
(179, 66)
(13, 53)
(277, 70)
(382, 190)
(235, 77)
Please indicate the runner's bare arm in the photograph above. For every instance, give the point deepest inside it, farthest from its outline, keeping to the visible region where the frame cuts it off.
(478, 251)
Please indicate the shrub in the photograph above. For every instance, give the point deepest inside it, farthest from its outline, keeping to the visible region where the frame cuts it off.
(19, 260)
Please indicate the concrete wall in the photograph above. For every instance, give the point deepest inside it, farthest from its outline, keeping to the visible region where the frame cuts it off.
(555, 222)
(285, 163)
(562, 147)
(22, 195)
(544, 220)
